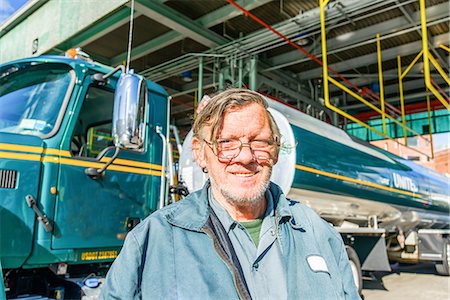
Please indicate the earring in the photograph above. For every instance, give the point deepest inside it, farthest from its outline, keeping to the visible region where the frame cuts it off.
(205, 170)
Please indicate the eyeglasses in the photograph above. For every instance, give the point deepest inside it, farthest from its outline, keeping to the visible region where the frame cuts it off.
(227, 149)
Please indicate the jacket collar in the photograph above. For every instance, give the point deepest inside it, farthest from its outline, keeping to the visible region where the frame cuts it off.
(192, 212)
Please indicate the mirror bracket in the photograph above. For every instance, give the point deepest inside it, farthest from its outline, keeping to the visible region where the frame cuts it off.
(97, 173)
(103, 79)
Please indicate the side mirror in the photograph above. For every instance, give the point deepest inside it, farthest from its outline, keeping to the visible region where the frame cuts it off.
(130, 101)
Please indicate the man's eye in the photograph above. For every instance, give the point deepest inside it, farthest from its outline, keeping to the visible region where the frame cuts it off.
(260, 144)
(223, 142)
(226, 143)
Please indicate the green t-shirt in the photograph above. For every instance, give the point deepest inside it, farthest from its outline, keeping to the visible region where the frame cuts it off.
(254, 228)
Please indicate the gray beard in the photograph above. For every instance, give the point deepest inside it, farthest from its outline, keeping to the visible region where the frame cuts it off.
(239, 201)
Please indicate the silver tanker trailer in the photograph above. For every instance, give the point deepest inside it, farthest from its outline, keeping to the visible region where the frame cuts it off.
(384, 206)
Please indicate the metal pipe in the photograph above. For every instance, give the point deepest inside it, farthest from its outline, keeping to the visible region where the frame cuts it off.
(246, 45)
(170, 166)
(390, 35)
(380, 82)
(221, 80)
(177, 138)
(439, 69)
(162, 191)
(426, 56)
(200, 80)
(403, 74)
(240, 74)
(402, 100)
(430, 128)
(253, 74)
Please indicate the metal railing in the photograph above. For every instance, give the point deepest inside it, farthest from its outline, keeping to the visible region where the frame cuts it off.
(327, 79)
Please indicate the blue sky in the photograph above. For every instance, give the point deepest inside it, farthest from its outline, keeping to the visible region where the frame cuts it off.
(8, 7)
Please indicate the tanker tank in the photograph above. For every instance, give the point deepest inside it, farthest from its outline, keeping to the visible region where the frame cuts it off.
(347, 181)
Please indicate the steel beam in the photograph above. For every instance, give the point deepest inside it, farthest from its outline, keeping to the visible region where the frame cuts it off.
(392, 89)
(179, 22)
(407, 13)
(216, 17)
(288, 91)
(98, 29)
(365, 35)
(364, 60)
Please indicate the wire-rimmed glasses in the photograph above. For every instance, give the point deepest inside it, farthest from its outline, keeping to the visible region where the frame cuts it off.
(227, 149)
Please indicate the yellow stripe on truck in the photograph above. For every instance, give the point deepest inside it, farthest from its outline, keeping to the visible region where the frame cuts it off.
(20, 156)
(345, 178)
(64, 157)
(21, 148)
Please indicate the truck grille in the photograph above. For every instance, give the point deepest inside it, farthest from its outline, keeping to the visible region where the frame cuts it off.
(8, 179)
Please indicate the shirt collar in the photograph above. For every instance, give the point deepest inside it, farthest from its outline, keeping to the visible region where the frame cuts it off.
(224, 217)
(279, 201)
(229, 223)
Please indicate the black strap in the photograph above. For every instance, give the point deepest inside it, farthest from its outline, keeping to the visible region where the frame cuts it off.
(225, 249)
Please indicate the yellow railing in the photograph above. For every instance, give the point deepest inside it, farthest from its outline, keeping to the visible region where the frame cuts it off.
(402, 75)
(427, 58)
(382, 111)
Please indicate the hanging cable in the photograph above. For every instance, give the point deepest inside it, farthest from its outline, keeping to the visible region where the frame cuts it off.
(130, 36)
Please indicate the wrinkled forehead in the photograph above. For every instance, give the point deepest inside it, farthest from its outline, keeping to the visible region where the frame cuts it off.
(253, 112)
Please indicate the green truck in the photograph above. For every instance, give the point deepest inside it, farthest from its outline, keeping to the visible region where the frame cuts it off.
(62, 213)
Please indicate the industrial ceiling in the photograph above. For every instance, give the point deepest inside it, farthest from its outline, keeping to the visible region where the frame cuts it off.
(172, 38)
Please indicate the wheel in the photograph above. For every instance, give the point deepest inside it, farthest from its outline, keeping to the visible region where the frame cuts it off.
(356, 267)
(443, 268)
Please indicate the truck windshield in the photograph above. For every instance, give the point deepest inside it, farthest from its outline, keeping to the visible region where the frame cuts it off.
(32, 96)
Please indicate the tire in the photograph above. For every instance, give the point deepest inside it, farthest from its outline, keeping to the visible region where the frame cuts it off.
(443, 268)
(356, 267)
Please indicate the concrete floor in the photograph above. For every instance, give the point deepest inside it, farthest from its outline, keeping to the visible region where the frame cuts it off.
(406, 282)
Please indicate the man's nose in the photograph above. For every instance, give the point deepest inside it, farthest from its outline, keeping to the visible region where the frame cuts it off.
(246, 155)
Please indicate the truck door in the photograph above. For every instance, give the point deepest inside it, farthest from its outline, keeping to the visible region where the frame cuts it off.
(20, 169)
(95, 213)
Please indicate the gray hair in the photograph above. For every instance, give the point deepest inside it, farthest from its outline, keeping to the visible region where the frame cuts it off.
(213, 113)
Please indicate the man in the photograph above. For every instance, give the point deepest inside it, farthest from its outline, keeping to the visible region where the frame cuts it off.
(238, 237)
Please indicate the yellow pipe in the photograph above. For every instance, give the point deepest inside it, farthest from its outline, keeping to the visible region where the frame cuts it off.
(402, 100)
(380, 82)
(439, 96)
(327, 79)
(426, 59)
(438, 67)
(344, 88)
(326, 95)
(430, 125)
(91, 139)
(412, 64)
(414, 149)
(445, 48)
(355, 95)
(426, 63)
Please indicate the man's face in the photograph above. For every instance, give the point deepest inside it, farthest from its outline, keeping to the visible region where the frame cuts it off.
(244, 179)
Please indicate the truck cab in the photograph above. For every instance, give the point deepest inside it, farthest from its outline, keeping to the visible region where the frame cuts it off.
(57, 216)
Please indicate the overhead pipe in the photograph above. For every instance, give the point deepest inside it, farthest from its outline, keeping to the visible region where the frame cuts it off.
(300, 48)
(289, 27)
(200, 80)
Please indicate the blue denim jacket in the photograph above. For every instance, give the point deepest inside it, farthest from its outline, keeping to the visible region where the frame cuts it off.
(170, 256)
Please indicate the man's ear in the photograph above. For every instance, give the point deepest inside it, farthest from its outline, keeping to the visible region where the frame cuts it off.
(275, 158)
(198, 151)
